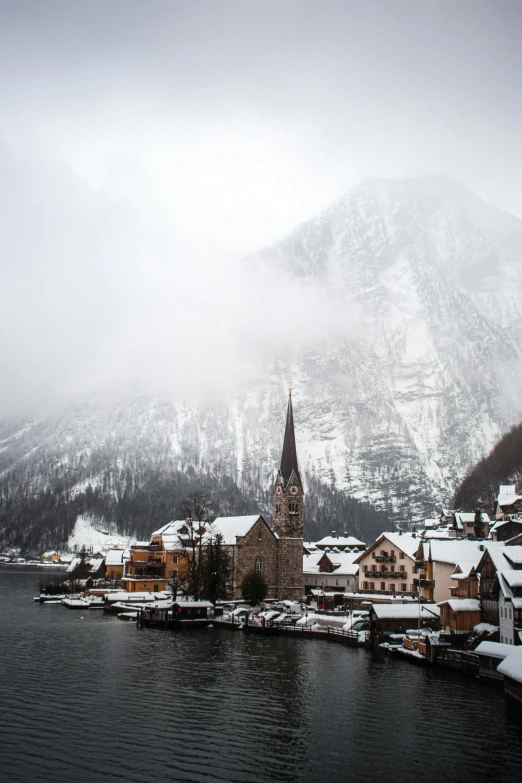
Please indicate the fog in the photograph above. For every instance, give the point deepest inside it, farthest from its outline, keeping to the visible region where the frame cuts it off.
(147, 148)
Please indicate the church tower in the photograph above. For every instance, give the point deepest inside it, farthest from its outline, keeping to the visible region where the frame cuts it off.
(288, 490)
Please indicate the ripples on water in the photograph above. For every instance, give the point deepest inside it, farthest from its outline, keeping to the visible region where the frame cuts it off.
(88, 698)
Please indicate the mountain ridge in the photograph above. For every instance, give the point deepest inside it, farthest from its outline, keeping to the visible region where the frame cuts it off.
(402, 383)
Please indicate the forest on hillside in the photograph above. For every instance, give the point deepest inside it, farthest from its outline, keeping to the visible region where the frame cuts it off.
(503, 465)
(137, 500)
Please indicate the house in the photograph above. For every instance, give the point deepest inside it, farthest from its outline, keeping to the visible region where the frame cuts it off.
(82, 568)
(508, 502)
(331, 571)
(459, 615)
(510, 606)
(388, 565)
(464, 523)
(145, 569)
(466, 581)
(490, 655)
(499, 592)
(506, 529)
(50, 557)
(386, 619)
(114, 564)
(511, 669)
(436, 561)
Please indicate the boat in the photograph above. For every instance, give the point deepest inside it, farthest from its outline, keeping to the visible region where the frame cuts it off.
(128, 616)
(76, 603)
(43, 598)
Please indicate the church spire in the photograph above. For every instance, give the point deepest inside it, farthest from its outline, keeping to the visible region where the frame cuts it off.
(289, 455)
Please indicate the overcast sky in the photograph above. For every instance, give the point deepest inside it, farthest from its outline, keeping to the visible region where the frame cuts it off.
(145, 147)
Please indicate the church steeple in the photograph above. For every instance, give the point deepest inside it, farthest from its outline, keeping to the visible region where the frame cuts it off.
(288, 490)
(289, 455)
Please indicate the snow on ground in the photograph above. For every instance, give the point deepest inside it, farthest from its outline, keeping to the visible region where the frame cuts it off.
(92, 533)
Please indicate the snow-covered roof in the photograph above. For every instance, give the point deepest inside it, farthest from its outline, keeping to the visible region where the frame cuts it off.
(512, 665)
(462, 604)
(74, 562)
(406, 611)
(339, 541)
(195, 604)
(513, 554)
(513, 578)
(51, 552)
(493, 649)
(343, 563)
(230, 527)
(456, 550)
(431, 522)
(507, 495)
(405, 542)
(311, 562)
(114, 557)
(463, 570)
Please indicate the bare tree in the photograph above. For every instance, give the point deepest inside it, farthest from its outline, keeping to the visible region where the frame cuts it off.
(194, 536)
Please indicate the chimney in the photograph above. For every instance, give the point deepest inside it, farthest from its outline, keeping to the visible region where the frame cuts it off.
(334, 534)
(345, 534)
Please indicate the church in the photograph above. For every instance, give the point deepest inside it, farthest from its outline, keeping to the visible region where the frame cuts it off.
(275, 553)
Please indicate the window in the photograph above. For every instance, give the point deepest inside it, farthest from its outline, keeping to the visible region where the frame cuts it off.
(293, 508)
(259, 535)
(259, 565)
(365, 585)
(404, 588)
(373, 555)
(392, 588)
(372, 585)
(501, 612)
(393, 552)
(278, 508)
(336, 581)
(510, 613)
(174, 573)
(316, 581)
(401, 555)
(156, 588)
(365, 568)
(383, 585)
(174, 559)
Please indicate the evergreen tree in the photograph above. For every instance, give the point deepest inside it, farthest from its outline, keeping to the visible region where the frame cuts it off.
(253, 588)
(215, 572)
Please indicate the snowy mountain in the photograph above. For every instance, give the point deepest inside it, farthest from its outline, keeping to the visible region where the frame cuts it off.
(414, 377)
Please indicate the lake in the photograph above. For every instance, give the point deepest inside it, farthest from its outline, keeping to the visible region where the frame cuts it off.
(86, 697)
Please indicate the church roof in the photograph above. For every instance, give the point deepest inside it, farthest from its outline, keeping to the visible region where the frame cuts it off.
(289, 455)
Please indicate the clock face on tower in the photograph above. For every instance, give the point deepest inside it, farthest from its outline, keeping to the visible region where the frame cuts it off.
(278, 490)
(294, 490)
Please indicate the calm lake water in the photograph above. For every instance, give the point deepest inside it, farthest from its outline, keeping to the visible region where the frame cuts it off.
(85, 697)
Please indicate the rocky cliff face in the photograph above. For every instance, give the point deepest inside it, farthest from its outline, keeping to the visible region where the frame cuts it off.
(415, 377)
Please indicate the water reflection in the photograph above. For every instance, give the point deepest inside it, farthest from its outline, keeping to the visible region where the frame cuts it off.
(87, 698)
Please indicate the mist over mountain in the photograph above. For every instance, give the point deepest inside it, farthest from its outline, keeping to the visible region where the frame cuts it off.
(394, 312)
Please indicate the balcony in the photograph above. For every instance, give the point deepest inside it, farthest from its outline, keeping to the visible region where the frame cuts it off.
(148, 564)
(384, 575)
(423, 583)
(385, 559)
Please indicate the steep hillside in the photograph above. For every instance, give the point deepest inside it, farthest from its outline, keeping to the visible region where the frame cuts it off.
(503, 465)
